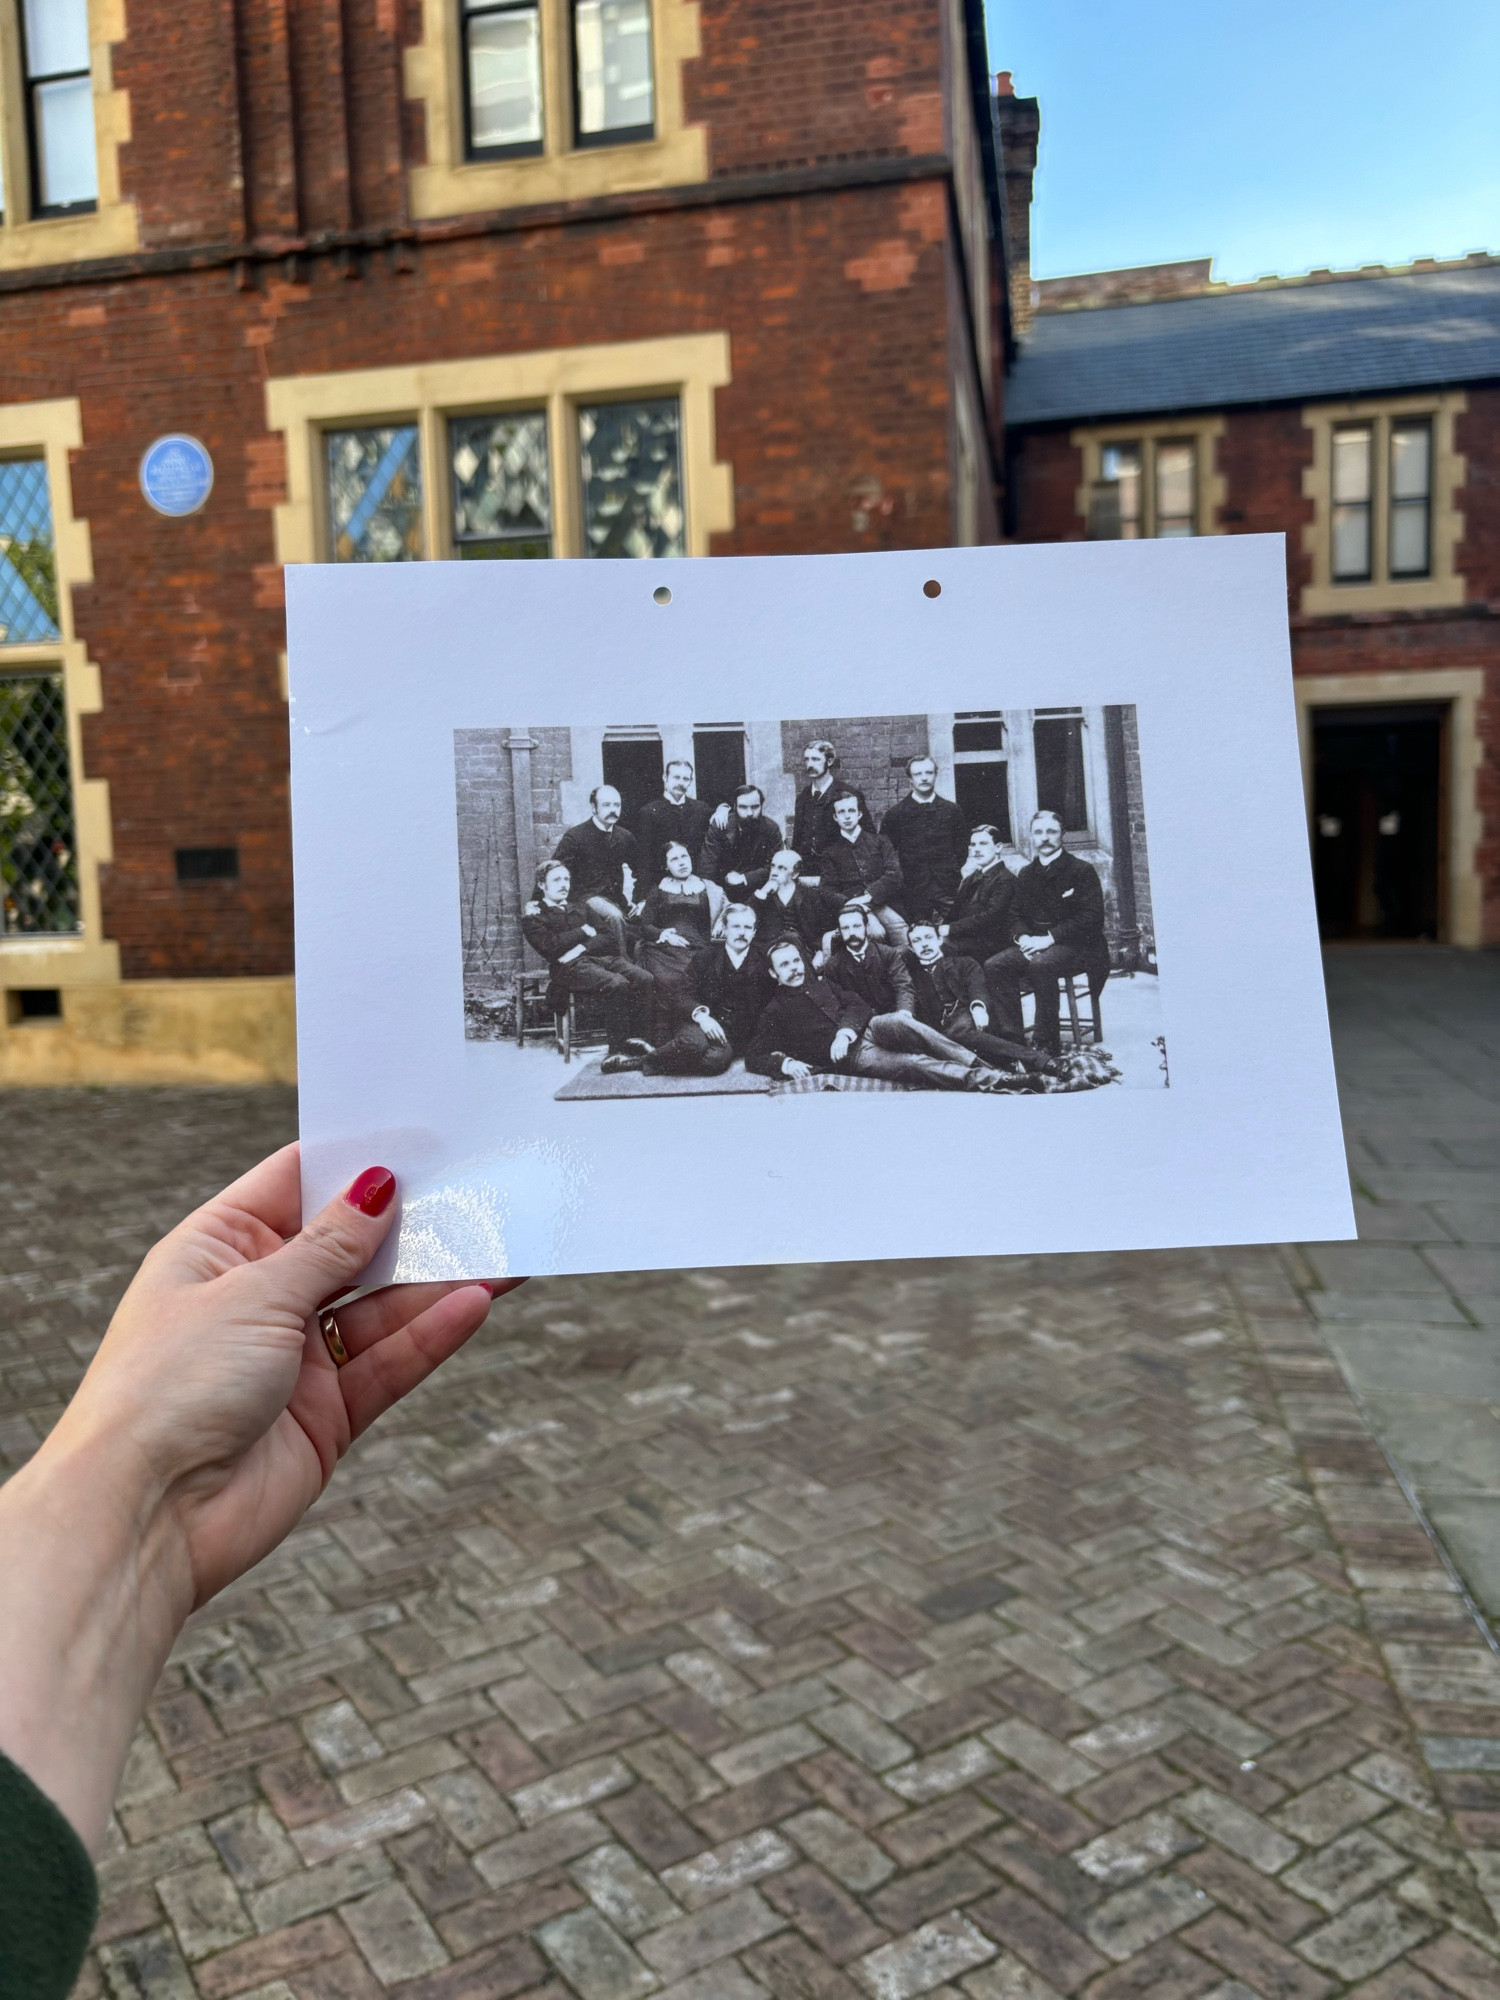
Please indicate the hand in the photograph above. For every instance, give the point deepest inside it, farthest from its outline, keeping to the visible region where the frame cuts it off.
(798, 1071)
(720, 818)
(712, 1029)
(1034, 946)
(734, 875)
(843, 1042)
(942, 930)
(588, 930)
(209, 1421)
(673, 937)
(979, 1013)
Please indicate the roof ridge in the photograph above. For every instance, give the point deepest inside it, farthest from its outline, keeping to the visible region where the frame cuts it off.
(1419, 267)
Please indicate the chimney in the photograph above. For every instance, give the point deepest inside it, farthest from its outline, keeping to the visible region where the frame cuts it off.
(1018, 122)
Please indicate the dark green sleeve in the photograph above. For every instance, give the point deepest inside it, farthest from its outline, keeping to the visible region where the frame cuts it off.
(48, 1893)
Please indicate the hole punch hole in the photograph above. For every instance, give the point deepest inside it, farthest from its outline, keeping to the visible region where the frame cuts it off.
(932, 588)
(661, 594)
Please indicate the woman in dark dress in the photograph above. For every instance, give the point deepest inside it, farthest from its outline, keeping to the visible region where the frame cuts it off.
(677, 919)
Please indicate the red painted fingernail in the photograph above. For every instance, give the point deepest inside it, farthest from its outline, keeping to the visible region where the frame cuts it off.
(371, 1192)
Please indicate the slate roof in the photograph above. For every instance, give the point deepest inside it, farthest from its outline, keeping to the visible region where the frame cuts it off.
(1339, 337)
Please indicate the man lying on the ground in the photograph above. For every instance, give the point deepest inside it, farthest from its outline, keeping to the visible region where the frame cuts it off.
(978, 922)
(1057, 921)
(729, 986)
(810, 1028)
(561, 929)
(951, 995)
(738, 855)
(789, 906)
(858, 866)
(604, 862)
(878, 973)
(674, 816)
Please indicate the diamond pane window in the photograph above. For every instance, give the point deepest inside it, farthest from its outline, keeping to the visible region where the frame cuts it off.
(612, 48)
(503, 65)
(1352, 454)
(38, 860)
(375, 494)
(1176, 469)
(28, 561)
(631, 469)
(502, 484)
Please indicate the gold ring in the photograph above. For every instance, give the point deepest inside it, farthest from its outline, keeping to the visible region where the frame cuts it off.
(333, 1340)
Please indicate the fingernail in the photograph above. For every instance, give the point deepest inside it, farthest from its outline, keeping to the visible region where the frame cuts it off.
(371, 1193)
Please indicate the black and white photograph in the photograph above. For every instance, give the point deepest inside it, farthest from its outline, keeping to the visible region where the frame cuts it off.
(918, 902)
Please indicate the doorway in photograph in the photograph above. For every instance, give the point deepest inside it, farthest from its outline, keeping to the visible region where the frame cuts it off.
(1377, 815)
(632, 760)
(719, 761)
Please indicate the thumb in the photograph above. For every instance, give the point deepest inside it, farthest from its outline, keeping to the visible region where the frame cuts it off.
(330, 1251)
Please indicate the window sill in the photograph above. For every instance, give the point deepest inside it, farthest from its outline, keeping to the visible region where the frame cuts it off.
(1344, 600)
(69, 238)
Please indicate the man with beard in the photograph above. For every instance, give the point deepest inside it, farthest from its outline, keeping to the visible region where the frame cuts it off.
(859, 866)
(950, 995)
(790, 907)
(559, 928)
(1057, 921)
(729, 987)
(811, 1027)
(879, 974)
(813, 824)
(604, 862)
(978, 923)
(738, 855)
(931, 842)
(674, 816)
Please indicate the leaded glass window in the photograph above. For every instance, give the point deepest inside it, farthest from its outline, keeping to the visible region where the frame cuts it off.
(502, 484)
(38, 859)
(28, 559)
(60, 105)
(612, 50)
(503, 77)
(631, 475)
(375, 494)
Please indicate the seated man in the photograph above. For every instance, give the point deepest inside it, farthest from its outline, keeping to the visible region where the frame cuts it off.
(604, 862)
(878, 973)
(737, 855)
(729, 986)
(561, 930)
(950, 995)
(978, 922)
(858, 866)
(810, 1027)
(1057, 922)
(792, 907)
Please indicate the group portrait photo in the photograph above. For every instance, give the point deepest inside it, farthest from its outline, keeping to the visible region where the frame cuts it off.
(905, 902)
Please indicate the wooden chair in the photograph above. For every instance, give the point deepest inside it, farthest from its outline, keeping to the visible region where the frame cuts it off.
(1085, 987)
(536, 1017)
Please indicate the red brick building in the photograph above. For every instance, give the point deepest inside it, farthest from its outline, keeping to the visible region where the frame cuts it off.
(426, 278)
(1358, 414)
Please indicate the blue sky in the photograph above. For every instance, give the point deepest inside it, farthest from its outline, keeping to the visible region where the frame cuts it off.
(1278, 136)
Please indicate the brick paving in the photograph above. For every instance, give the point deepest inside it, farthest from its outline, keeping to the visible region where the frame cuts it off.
(990, 1629)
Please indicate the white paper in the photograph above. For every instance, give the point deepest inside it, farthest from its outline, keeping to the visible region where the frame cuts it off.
(389, 663)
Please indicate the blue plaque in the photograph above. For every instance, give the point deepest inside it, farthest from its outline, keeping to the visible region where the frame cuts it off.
(177, 475)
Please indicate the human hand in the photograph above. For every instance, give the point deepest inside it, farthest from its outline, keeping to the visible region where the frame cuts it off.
(712, 1029)
(720, 818)
(673, 937)
(797, 1070)
(588, 930)
(843, 1042)
(979, 1013)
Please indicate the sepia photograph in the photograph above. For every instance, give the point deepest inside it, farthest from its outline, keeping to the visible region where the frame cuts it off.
(956, 902)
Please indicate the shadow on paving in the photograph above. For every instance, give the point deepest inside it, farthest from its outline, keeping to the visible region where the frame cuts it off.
(1004, 1629)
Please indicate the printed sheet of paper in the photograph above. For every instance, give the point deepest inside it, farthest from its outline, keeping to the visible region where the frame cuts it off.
(654, 914)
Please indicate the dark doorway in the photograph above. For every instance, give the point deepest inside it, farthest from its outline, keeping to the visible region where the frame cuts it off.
(632, 764)
(1377, 807)
(981, 774)
(719, 761)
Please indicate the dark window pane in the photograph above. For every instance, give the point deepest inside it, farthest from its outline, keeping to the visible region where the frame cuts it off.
(719, 764)
(612, 47)
(208, 864)
(28, 562)
(983, 732)
(374, 494)
(982, 791)
(502, 484)
(630, 462)
(632, 764)
(38, 863)
(1059, 769)
(503, 57)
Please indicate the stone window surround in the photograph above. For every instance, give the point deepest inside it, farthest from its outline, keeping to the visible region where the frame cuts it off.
(450, 184)
(1212, 489)
(1462, 690)
(112, 228)
(53, 430)
(1444, 587)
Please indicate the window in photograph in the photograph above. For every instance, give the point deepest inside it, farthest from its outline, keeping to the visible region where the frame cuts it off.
(374, 494)
(38, 856)
(718, 761)
(1176, 483)
(981, 771)
(1057, 738)
(1353, 471)
(59, 106)
(28, 557)
(630, 462)
(502, 484)
(502, 62)
(615, 92)
(1411, 496)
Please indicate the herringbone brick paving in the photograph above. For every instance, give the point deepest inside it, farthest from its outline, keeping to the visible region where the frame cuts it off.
(1001, 1629)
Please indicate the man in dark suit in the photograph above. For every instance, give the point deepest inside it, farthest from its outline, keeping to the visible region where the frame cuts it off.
(1057, 922)
(878, 974)
(811, 1027)
(789, 906)
(604, 862)
(730, 985)
(738, 856)
(860, 866)
(674, 816)
(812, 816)
(931, 842)
(978, 922)
(560, 929)
(951, 995)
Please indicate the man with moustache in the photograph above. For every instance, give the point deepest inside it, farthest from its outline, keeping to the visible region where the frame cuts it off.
(1057, 922)
(604, 862)
(559, 927)
(879, 974)
(931, 842)
(730, 986)
(813, 824)
(951, 996)
(791, 907)
(978, 923)
(738, 854)
(860, 866)
(674, 816)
